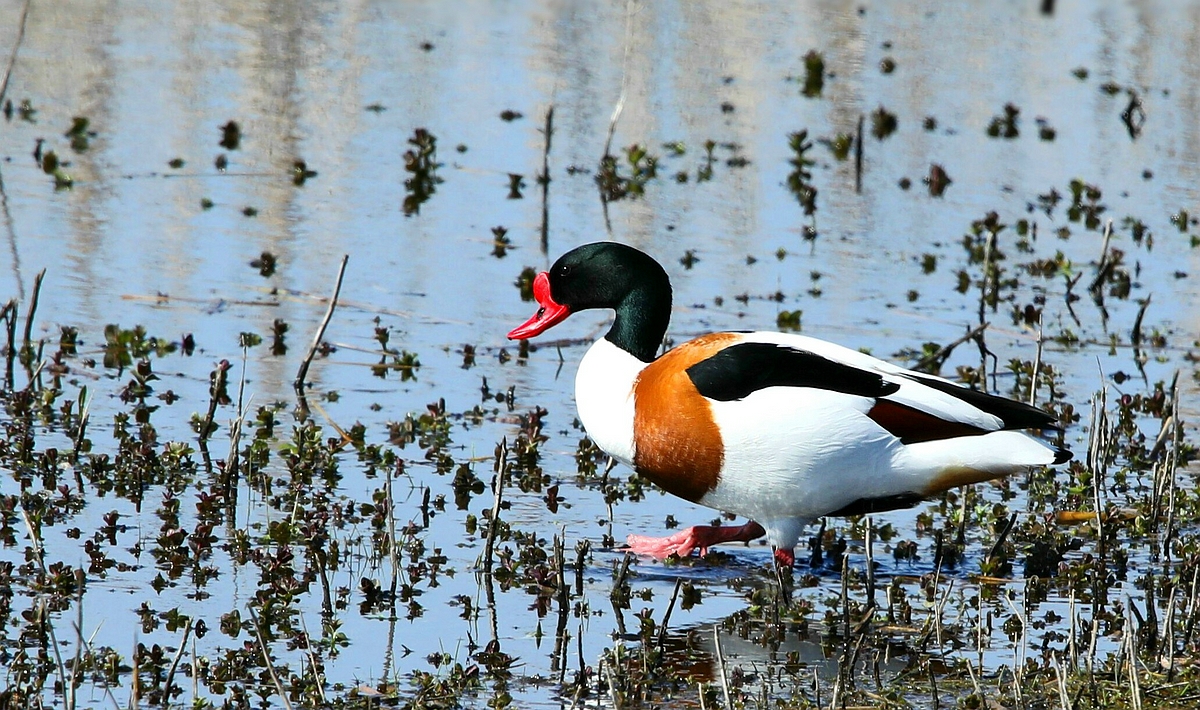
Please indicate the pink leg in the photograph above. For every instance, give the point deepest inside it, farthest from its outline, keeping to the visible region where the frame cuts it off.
(785, 557)
(699, 537)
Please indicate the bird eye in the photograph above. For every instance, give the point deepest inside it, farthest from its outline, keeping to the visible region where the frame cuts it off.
(541, 312)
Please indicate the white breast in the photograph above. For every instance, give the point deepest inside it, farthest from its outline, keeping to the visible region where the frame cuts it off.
(604, 398)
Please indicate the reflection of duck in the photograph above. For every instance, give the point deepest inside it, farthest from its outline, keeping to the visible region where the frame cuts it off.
(753, 657)
(780, 428)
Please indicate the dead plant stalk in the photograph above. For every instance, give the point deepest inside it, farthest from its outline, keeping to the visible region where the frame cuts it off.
(316, 342)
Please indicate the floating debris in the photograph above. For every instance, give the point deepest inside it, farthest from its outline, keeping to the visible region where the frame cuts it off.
(421, 161)
(814, 74)
(1005, 125)
(231, 136)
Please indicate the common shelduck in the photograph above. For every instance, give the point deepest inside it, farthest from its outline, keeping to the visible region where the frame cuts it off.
(779, 428)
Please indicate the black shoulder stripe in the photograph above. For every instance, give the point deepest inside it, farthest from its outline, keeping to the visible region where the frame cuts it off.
(866, 506)
(739, 370)
(1014, 414)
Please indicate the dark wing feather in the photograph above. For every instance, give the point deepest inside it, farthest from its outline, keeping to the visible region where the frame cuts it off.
(739, 370)
(912, 426)
(1014, 414)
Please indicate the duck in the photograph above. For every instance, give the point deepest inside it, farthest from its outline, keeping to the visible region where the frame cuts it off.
(779, 428)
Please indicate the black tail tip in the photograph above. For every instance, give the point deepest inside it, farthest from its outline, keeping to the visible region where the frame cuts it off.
(1062, 456)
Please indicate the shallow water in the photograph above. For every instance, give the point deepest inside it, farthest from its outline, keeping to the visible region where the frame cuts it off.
(343, 87)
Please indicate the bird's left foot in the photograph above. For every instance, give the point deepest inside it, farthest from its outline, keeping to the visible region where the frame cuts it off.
(698, 537)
